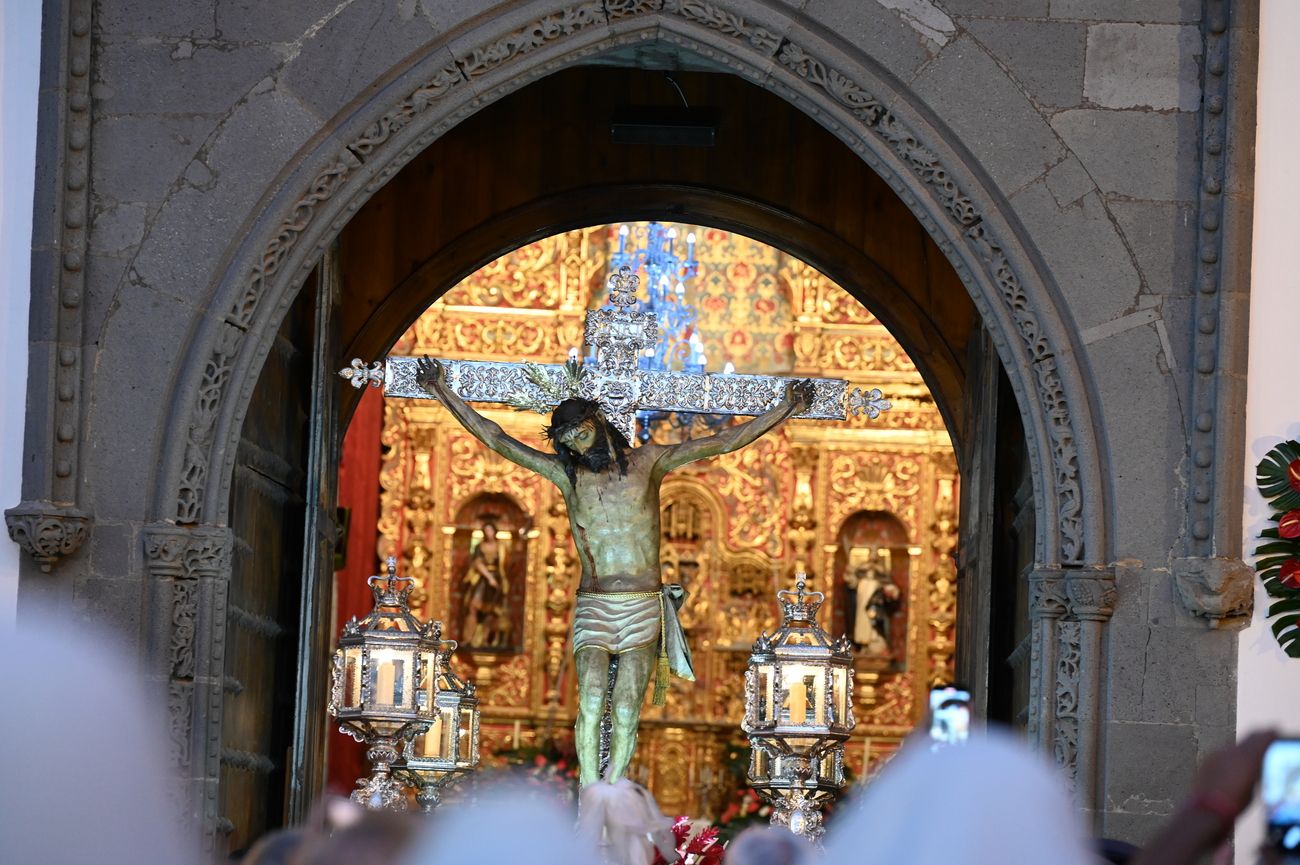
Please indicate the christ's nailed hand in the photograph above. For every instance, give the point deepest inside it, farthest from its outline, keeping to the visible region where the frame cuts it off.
(432, 375)
(800, 394)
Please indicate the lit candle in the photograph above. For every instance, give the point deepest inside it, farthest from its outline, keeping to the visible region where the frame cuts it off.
(690, 246)
(573, 354)
(797, 701)
(385, 683)
(622, 238)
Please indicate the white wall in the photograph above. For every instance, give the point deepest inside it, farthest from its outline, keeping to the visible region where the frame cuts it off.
(1268, 682)
(20, 45)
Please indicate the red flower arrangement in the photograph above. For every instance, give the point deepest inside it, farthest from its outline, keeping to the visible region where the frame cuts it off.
(1289, 573)
(1278, 562)
(702, 847)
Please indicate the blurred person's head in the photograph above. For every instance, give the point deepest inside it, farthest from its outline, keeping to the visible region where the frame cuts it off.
(768, 845)
(374, 838)
(1116, 852)
(276, 848)
(991, 801)
(84, 751)
(506, 825)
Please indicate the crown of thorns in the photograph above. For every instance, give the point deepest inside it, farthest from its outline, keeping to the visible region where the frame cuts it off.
(569, 414)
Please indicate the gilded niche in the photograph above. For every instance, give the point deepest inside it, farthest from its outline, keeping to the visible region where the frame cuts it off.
(868, 509)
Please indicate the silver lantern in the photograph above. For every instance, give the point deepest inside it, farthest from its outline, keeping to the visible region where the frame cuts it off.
(798, 713)
(379, 693)
(448, 749)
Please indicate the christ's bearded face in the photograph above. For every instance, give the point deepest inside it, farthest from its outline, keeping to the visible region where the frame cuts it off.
(580, 437)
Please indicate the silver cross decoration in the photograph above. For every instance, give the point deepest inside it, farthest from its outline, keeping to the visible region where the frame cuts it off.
(619, 335)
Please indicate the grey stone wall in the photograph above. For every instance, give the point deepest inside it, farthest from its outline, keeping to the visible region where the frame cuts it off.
(197, 155)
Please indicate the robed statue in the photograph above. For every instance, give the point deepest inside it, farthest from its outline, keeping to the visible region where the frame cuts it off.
(486, 622)
(622, 610)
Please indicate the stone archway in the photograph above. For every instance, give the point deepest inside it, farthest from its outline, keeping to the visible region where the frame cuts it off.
(927, 170)
(928, 167)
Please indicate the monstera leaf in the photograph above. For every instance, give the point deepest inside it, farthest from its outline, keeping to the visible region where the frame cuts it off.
(1278, 476)
(1278, 564)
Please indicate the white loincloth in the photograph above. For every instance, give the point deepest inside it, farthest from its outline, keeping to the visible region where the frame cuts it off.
(622, 621)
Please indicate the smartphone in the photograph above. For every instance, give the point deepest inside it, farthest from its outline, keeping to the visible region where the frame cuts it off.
(949, 715)
(1280, 790)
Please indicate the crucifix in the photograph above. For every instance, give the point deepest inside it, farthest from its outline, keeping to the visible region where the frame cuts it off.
(625, 625)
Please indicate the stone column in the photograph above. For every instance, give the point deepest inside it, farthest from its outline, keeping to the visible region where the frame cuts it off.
(189, 576)
(1047, 605)
(1092, 601)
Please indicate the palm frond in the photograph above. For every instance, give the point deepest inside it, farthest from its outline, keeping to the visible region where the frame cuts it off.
(1278, 476)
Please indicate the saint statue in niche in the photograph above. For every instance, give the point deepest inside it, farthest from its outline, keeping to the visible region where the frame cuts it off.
(488, 573)
(872, 576)
(876, 597)
(486, 622)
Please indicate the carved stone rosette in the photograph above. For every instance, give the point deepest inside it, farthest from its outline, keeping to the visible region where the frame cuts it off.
(1068, 607)
(189, 577)
(47, 532)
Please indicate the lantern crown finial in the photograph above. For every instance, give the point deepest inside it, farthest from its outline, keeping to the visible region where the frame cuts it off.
(389, 589)
(800, 605)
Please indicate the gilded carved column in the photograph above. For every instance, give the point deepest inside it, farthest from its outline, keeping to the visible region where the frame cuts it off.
(189, 576)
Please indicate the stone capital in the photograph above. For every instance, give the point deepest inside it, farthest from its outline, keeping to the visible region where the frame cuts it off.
(1047, 598)
(47, 532)
(183, 553)
(1092, 595)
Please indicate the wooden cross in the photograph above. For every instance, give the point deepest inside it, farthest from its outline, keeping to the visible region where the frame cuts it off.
(619, 335)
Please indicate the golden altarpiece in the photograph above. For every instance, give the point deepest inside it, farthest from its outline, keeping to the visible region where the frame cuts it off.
(867, 508)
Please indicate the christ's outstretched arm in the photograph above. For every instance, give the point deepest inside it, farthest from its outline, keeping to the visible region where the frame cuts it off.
(798, 396)
(433, 378)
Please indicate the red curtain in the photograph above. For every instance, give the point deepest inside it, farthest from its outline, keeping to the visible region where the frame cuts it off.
(359, 493)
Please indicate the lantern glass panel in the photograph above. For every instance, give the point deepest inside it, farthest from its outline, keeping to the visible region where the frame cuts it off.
(352, 678)
(760, 765)
(766, 709)
(805, 703)
(840, 685)
(447, 720)
(426, 745)
(392, 678)
(464, 733)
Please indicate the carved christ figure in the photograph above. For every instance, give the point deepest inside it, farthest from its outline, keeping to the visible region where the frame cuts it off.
(622, 608)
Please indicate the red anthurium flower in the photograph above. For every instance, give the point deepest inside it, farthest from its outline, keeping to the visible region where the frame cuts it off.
(1293, 475)
(1289, 526)
(1289, 573)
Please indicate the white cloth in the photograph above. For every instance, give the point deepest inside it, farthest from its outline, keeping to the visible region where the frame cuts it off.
(508, 825)
(989, 802)
(623, 819)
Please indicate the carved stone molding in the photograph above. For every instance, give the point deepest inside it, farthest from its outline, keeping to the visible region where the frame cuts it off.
(60, 230)
(1217, 382)
(189, 575)
(1217, 589)
(47, 532)
(917, 170)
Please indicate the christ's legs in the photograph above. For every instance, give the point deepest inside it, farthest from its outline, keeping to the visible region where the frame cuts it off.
(634, 670)
(592, 664)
